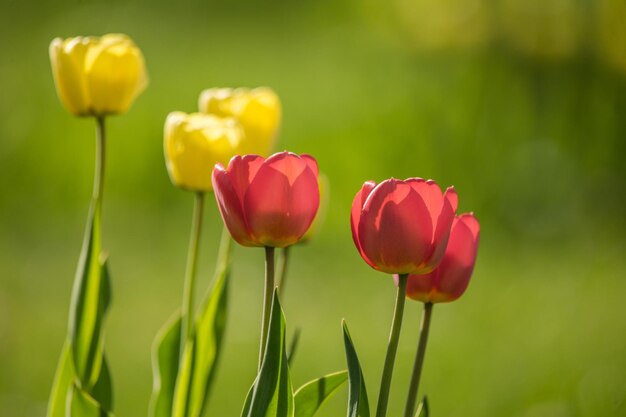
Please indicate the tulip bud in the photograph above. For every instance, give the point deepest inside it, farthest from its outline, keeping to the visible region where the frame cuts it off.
(258, 110)
(402, 227)
(267, 202)
(450, 279)
(97, 76)
(194, 143)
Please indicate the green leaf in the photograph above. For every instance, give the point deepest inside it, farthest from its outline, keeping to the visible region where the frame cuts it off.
(422, 410)
(196, 373)
(165, 355)
(272, 393)
(83, 405)
(358, 405)
(103, 390)
(62, 382)
(90, 300)
(209, 333)
(293, 346)
(310, 397)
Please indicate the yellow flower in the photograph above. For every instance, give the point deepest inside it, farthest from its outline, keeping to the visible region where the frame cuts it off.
(193, 143)
(97, 76)
(258, 110)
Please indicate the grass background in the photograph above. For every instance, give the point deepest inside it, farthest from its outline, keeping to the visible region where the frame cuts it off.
(520, 104)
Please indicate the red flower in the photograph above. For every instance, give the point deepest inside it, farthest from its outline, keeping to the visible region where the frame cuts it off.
(402, 227)
(267, 202)
(449, 281)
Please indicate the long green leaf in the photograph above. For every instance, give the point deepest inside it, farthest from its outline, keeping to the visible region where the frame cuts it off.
(422, 410)
(103, 390)
(90, 300)
(81, 404)
(209, 333)
(62, 383)
(272, 393)
(358, 405)
(310, 397)
(165, 354)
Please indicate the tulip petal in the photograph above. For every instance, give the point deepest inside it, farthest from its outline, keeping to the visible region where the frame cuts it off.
(242, 170)
(230, 206)
(355, 216)
(421, 287)
(458, 263)
(395, 230)
(311, 162)
(282, 200)
(443, 226)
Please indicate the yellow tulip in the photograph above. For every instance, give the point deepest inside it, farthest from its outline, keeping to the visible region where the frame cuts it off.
(97, 76)
(194, 143)
(258, 110)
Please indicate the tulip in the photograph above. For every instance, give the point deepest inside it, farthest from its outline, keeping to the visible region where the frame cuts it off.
(446, 283)
(97, 76)
(194, 143)
(258, 110)
(402, 227)
(267, 202)
(450, 279)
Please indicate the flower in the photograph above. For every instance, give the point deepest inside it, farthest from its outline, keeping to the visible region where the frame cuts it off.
(267, 202)
(258, 110)
(194, 143)
(450, 279)
(97, 76)
(402, 227)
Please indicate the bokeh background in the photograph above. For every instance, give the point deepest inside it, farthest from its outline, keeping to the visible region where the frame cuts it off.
(521, 104)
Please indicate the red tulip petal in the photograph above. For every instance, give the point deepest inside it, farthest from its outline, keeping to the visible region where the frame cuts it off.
(443, 226)
(230, 206)
(456, 268)
(421, 287)
(282, 200)
(242, 170)
(355, 215)
(311, 162)
(395, 230)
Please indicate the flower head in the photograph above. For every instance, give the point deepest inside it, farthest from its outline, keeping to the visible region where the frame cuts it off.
(267, 202)
(402, 227)
(194, 143)
(97, 76)
(450, 279)
(258, 110)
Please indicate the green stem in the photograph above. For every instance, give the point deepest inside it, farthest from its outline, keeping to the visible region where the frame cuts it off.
(190, 273)
(98, 178)
(392, 347)
(223, 253)
(267, 299)
(283, 270)
(419, 361)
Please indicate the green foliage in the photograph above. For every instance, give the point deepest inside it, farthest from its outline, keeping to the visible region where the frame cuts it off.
(82, 357)
(310, 397)
(271, 394)
(181, 389)
(422, 410)
(165, 356)
(358, 405)
(84, 405)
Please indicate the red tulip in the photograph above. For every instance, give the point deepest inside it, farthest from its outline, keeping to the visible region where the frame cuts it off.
(450, 279)
(402, 227)
(267, 202)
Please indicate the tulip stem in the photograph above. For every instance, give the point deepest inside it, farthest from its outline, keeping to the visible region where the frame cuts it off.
(267, 299)
(419, 360)
(190, 273)
(392, 347)
(98, 178)
(283, 270)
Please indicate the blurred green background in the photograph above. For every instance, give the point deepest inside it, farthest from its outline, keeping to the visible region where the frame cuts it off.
(521, 104)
